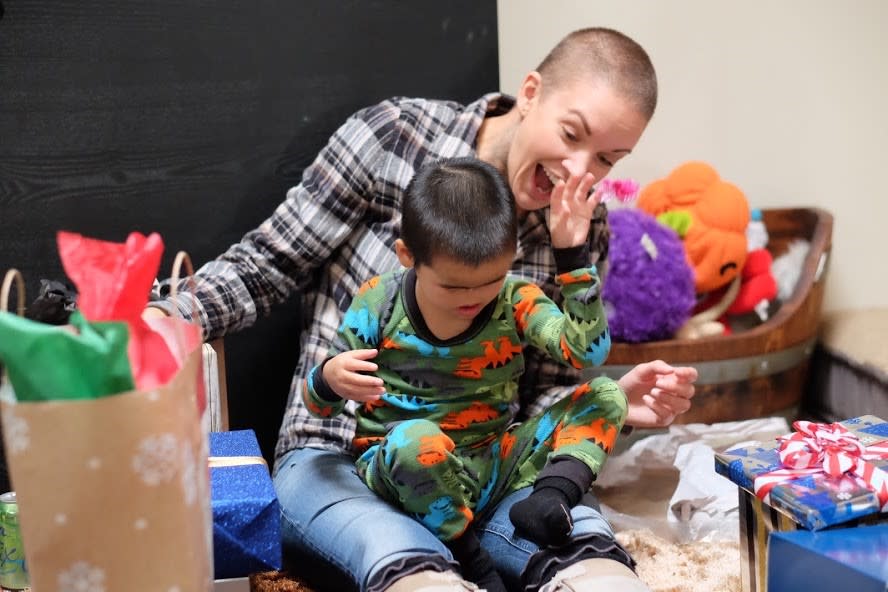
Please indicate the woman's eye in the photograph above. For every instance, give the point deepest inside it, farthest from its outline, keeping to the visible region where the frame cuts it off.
(570, 135)
(605, 161)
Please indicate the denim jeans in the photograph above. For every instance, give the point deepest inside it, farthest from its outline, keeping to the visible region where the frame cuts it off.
(328, 514)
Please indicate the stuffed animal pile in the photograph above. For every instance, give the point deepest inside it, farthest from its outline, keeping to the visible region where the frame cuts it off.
(690, 255)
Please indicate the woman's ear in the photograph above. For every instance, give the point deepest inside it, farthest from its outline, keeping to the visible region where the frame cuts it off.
(403, 253)
(529, 93)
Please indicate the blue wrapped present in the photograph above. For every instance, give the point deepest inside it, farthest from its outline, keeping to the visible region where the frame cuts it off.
(786, 485)
(805, 490)
(246, 513)
(839, 559)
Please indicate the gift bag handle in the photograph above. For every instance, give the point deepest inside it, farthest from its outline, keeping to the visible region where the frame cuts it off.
(13, 275)
(183, 259)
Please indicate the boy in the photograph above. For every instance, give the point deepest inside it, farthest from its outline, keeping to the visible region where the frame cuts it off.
(446, 337)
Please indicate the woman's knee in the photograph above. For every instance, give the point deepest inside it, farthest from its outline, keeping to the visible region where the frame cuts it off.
(595, 574)
(432, 581)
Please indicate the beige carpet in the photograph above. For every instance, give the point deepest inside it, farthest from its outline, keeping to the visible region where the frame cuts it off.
(663, 565)
(699, 567)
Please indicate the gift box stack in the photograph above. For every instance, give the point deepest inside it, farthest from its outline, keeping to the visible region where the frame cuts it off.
(820, 477)
(246, 512)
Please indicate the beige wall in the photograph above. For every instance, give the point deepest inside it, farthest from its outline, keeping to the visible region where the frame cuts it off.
(787, 99)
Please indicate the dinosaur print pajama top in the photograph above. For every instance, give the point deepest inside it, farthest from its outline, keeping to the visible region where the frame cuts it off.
(440, 442)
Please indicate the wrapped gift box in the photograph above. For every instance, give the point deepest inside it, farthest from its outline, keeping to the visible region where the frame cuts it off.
(246, 513)
(775, 495)
(839, 559)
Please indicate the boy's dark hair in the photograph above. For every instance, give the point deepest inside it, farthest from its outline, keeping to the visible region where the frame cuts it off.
(460, 208)
(607, 55)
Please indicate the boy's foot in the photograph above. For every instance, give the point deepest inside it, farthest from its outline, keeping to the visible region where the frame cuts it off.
(476, 563)
(543, 517)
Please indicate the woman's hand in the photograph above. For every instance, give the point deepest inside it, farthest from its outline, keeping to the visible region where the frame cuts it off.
(657, 393)
(571, 208)
(346, 374)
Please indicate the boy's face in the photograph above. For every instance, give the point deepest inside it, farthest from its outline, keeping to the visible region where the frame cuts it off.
(454, 291)
(579, 126)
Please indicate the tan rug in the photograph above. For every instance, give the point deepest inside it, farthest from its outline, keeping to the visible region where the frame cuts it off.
(699, 567)
(663, 565)
(277, 581)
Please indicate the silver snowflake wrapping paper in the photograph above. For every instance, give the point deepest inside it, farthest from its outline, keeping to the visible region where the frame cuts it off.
(113, 493)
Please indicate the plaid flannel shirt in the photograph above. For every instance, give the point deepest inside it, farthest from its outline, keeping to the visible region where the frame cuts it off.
(337, 228)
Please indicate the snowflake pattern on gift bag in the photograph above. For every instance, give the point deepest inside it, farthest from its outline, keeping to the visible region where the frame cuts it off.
(189, 477)
(18, 434)
(82, 577)
(152, 461)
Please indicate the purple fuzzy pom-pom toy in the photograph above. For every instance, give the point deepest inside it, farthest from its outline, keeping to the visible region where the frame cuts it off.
(649, 288)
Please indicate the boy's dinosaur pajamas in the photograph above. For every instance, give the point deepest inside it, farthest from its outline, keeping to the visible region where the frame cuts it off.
(439, 442)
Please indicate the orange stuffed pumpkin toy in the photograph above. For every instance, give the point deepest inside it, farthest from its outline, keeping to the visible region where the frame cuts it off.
(709, 214)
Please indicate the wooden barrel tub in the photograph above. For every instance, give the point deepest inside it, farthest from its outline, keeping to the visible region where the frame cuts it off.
(763, 370)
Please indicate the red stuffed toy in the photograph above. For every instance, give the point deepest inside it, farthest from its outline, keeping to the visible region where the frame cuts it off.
(758, 286)
(752, 291)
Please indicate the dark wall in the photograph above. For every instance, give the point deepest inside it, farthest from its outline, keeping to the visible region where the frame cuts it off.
(192, 118)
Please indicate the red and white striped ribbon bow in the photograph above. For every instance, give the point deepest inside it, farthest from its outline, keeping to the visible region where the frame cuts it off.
(827, 448)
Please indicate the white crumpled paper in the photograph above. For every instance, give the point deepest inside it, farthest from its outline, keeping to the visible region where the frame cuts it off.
(703, 505)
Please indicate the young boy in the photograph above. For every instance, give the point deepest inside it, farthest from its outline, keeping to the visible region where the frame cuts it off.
(446, 337)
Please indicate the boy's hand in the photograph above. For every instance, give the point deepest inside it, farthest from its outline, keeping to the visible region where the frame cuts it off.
(344, 374)
(571, 208)
(657, 393)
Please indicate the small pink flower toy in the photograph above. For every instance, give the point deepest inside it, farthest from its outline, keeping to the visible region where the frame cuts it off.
(624, 190)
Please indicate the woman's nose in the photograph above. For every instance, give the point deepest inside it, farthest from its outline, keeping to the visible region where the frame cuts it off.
(580, 163)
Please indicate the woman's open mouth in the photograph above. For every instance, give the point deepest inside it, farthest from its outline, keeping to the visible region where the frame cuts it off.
(543, 183)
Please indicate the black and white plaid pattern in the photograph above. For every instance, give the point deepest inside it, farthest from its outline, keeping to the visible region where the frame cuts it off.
(337, 229)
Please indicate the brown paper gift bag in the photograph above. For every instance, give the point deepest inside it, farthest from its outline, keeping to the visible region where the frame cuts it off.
(113, 492)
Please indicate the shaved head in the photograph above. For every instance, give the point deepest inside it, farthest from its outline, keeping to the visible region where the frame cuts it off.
(604, 55)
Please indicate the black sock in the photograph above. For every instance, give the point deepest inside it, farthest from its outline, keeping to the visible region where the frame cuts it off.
(544, 516)
(476, 563)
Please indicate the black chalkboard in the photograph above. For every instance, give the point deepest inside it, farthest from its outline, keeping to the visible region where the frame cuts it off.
(192, 118)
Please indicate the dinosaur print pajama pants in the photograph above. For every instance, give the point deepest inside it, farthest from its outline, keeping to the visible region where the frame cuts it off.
(418, 467)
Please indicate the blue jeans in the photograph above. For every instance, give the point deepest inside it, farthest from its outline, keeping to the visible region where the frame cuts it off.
(328, 513)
